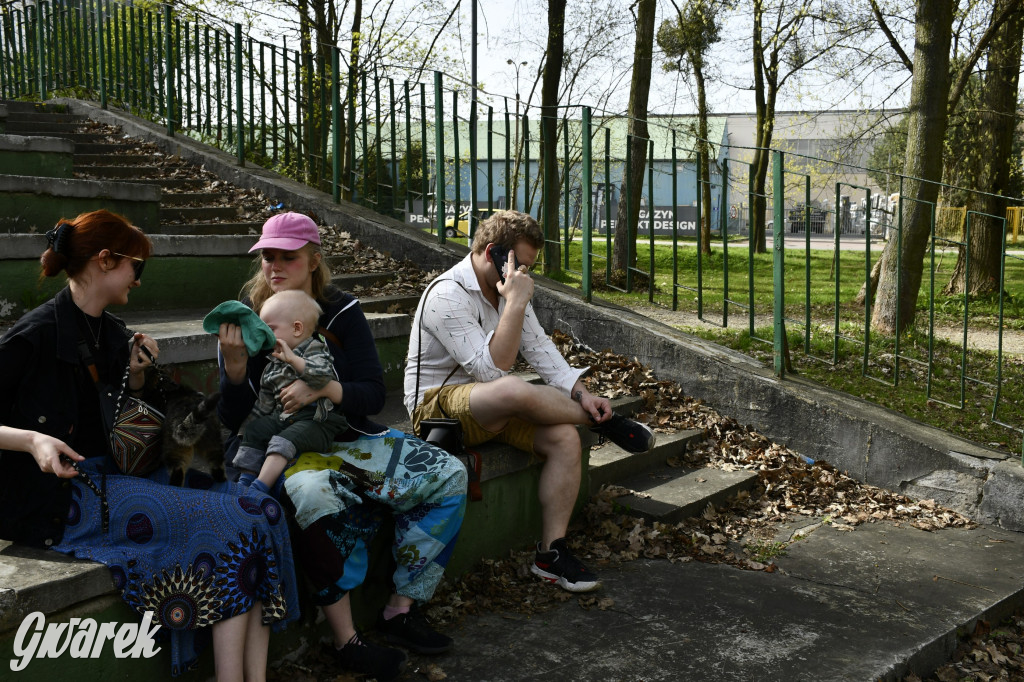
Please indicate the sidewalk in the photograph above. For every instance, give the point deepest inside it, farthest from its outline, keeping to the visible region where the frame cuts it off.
(874, 603)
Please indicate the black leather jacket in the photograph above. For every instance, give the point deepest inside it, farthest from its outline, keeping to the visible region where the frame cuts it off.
(41, 377)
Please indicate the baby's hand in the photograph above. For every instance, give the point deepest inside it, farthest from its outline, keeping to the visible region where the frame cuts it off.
(283, 353)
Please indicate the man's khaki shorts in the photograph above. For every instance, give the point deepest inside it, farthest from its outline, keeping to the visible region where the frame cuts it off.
(455, 400)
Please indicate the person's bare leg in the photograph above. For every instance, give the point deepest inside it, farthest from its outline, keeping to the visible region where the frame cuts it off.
(495, 402)
(559, 445)
(257, 644)
(339, 617)
(400, 601)
(229, 637)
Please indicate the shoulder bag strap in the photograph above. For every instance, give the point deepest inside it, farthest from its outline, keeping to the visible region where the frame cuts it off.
(419, 339)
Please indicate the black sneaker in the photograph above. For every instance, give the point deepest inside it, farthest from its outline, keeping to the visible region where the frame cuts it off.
(560, 567)
(412, 631)
(366, 658)
(630, 435)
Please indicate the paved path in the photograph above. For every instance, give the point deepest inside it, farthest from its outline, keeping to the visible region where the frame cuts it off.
(854, 605)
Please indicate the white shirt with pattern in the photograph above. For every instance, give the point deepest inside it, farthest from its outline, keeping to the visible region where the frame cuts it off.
(457, 325)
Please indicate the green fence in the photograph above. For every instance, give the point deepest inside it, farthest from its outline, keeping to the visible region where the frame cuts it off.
(417, 149)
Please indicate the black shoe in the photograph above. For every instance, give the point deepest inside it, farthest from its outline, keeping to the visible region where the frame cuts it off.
(560, 567)
(630, 435)
(366, 658)
(412, 631)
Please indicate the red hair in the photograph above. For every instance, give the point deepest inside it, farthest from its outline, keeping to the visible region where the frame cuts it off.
(86, 236)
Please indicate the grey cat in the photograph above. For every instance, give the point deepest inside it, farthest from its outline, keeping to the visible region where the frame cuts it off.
(191, 430)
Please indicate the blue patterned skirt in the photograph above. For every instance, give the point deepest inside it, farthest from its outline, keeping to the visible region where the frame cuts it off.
(193, 555)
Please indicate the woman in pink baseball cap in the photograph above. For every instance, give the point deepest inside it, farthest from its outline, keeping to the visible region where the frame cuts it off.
(340, 496)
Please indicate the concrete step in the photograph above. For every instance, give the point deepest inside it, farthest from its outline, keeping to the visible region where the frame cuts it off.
(74, 137)
(610, 464)
(33, 124)
(102, 147)
(18, 106)
(115, 159)
(190, 198)
(348, 281)
(205, 229)
(197, 213)
(182, 339)
(403, 303)
(43, 117)
(671, 494)
(119, 172)
(171, 184)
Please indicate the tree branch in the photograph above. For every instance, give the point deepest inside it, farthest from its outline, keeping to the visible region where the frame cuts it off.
(956, 90)
(892, 39)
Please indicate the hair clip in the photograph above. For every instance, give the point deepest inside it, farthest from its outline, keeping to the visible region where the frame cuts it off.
(57, 238)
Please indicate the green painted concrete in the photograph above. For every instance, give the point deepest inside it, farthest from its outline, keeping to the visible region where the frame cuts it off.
(167, 284)
(43, 164)
(38, 212)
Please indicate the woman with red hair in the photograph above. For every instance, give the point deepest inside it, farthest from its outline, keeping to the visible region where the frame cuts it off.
(213, 554)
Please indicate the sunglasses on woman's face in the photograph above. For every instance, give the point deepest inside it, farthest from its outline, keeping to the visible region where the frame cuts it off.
(138, 264)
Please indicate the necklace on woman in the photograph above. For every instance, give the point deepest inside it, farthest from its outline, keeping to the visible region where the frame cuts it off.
(95, 333)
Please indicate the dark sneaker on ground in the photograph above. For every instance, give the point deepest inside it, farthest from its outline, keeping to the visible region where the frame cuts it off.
(560, 567)
(630, 435)
(366, 658)
(412, 631)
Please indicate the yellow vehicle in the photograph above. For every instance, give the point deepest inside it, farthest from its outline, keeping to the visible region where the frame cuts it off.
(452, 231)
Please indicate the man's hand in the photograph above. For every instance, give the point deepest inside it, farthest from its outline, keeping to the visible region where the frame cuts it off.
(518, 286)
(599, 409)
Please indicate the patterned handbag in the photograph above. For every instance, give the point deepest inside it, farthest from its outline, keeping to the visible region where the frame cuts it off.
(136, 437)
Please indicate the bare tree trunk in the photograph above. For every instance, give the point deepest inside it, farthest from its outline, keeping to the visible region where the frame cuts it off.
(703, 159)
(896, 296)
(765, 126)
(997, 124)
(306, 83)
(348, 131)
(640, 87)
(549, 126)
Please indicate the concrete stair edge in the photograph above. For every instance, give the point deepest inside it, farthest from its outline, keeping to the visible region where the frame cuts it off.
(686, 495)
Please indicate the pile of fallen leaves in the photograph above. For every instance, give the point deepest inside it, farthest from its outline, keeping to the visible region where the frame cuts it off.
(985, 655)
(350, 255)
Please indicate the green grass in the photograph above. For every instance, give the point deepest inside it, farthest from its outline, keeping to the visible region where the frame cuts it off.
(984, 311)
(908, 388)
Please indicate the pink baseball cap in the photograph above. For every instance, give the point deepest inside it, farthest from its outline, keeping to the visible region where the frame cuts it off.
(288, 232)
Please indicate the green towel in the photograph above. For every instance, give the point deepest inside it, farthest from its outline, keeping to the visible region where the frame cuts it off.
(255, 332)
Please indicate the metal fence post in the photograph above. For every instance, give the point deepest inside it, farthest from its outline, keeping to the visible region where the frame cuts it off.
(169, 60)
(239, 115)
(40, 35)
(335, 127)
(438, 156)
(778, 263)
(101, 59)
(586, 207)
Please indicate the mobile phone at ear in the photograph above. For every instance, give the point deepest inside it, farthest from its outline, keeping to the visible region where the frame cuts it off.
(499, 254)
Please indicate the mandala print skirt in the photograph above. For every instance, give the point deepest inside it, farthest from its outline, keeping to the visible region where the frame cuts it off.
(193, 555)
(341, 498)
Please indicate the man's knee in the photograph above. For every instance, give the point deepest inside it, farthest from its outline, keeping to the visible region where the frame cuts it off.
(559, 440)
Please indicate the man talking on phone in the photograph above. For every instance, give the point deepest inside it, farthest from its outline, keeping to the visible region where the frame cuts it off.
(471, 323)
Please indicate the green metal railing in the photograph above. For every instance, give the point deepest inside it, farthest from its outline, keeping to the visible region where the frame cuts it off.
(409, 147)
